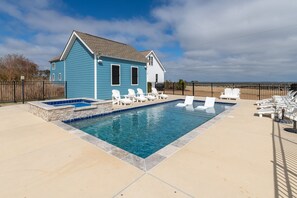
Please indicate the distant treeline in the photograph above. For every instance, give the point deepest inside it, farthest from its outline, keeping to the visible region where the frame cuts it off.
(13, 66)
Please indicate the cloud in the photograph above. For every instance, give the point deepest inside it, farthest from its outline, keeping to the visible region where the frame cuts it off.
(234, 40)
(230, 40)
(52, 28)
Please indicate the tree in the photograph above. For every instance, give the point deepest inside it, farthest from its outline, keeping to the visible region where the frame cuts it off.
(13, 66)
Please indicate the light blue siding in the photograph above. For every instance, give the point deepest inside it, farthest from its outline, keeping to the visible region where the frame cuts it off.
(104, 86)
(80, 72)
(59, 69)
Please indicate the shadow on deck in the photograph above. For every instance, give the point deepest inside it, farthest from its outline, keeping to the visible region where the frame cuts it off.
(284, 161)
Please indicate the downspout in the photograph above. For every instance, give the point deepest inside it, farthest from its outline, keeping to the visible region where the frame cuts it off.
(95, 77)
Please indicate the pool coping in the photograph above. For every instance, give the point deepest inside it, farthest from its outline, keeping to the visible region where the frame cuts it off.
(155, 158)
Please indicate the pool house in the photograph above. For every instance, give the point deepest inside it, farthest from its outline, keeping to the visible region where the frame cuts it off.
(93, 66)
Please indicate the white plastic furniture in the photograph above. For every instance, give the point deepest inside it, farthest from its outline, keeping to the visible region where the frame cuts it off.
(209, 103)
(158, 95)
(117, 98)
(230, 93)
(133, 97)
(188, 101)
(148, 96)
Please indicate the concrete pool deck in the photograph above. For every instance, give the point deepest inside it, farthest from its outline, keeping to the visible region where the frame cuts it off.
(241, 155)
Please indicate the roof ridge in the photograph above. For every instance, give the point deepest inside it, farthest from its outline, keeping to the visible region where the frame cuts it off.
(101, 38)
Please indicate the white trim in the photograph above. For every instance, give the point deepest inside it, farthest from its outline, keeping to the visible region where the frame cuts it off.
(70, 43)
(95, 77)
(59, 76)
(53, 77)
(53, 65)
(154, 54)
(137, 76)
(119, 74)
(64, 70)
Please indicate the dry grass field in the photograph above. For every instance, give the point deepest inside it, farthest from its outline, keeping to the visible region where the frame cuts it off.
(33, 90)
(246, 92)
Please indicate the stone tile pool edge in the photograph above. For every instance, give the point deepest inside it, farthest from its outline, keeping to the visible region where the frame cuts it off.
(157, 157)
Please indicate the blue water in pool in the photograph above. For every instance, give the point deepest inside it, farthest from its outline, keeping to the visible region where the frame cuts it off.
(144, 131)
(76, 103)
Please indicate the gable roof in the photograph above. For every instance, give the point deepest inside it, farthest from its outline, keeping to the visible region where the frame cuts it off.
(55, 59)
(104, 47)
(146, 53)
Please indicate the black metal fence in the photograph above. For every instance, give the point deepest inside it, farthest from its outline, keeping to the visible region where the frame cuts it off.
(251, 90)
(21, 91)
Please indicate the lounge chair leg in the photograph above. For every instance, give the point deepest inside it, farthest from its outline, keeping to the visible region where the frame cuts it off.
(292, 130)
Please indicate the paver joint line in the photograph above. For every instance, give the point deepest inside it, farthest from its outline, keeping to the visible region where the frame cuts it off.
(171, 185)
(130, 184)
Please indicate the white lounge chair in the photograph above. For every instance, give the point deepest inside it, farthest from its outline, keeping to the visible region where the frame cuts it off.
(189, 108)
(210, 110)
(116, 98)
(148, 96)
(158, 95)
(133, 97)
(291, 113)
(268, 111)
(209, 103)
(188, 101)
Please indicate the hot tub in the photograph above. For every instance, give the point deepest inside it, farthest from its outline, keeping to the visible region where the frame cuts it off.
(67, 109)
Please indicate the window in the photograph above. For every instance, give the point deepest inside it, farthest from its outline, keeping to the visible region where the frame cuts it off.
(53, 66)
(53, 77)
(60, 76)
(115, 75)
(156, 78)
(134, 75)
(151, 60)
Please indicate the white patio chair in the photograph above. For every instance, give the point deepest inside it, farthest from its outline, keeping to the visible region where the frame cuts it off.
(157, 94)
(209, 103)
(188, 101)
(148, 96)
(116, 98)
(132, 95)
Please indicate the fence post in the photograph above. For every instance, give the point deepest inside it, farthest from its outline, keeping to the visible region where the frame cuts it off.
(14, 99)
(42, 90)
(65, 87)
(173, 88)
(211, 85)
(183, 88)
(193, 89)
(23, 91)
(259, 91)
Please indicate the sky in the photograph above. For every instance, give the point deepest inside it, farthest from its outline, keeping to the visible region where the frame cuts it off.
(196, 40)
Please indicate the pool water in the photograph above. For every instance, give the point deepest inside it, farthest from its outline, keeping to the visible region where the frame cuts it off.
(76, 103)
(143, 131)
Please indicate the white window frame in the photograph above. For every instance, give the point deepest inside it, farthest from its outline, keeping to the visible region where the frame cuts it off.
(151, 57)
(119, 74)
(53, 66)
(59, 76)
(137, 76)
(53, 77)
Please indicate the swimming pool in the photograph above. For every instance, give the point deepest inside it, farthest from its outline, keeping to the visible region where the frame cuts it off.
(143, 131)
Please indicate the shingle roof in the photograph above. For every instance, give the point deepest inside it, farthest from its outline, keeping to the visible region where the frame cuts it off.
(56, 58)
(145, 52)
(109, 48)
